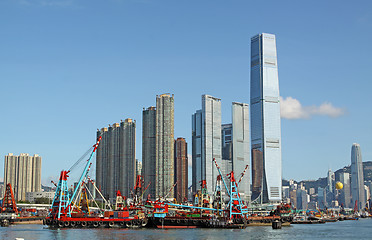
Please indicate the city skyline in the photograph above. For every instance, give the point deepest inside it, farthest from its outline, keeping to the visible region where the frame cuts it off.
(164, 50)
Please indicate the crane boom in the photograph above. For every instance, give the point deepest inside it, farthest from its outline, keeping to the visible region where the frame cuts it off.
(83, 175)
(242, 175)
(219, 170)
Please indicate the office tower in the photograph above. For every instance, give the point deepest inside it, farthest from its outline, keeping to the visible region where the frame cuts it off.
(227, 135)
(301, 199)
(241, 148)
(357, 179)
(181, 169)
(330, 189)
(265, 121)
(206, 143)
(149, 149)
(158, 146)
(345, 197)
(23, 172)
(227, 143)
(321, 198)
(331, 181)
(116, 159)
(293, 197)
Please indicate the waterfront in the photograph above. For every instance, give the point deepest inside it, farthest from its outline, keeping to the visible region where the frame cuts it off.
(339, 230)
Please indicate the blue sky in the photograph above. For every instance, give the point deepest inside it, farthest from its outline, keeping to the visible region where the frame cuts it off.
(69, 67)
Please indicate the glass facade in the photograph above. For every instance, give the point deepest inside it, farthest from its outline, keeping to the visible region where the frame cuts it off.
(240, 147)
(265, 120)
(357, 178)
(227, 143)
(206, 136)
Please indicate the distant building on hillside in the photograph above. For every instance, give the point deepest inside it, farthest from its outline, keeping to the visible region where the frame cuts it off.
(345, 195)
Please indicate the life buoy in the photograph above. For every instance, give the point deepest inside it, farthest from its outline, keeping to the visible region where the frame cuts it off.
(144, 222)
(111, 224)
(60, 224)
(95, 224)
(72, 224)
(178, 221)
(66, 224)
(122, 223)
(83, 224)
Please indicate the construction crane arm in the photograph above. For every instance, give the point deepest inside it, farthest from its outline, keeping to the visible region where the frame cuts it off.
(85, 172)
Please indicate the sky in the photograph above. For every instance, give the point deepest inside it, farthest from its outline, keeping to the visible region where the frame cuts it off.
(70, 67)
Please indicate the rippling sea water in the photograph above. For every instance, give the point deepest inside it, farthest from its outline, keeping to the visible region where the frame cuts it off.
(361, 229)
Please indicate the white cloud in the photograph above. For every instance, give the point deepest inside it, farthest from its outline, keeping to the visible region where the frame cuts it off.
(291, 108)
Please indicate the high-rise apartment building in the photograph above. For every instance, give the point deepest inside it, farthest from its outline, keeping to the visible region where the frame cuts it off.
(265, 121)
(357, 178)
(181, 169)
(158, 146)
(116, 159)
(23, 172)
(165, 144)
(149, 149)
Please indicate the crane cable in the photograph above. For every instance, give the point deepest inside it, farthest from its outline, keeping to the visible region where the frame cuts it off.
(80, 159)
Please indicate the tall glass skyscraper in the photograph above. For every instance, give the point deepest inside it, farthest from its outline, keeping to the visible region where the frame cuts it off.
(227, 143)
(206, 142)
(240, 147)
(265, 121)
(357, 178)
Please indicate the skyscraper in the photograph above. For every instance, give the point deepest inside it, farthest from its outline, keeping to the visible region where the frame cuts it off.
(265, 120)
(158, 146)
(149, 149)
(357, 178)
(181, 169)
(227, 143)
(116, 158)
(206, 142)
(345, 191)
(23, 172)
(165, 144)
(240, 147)
(128, 165)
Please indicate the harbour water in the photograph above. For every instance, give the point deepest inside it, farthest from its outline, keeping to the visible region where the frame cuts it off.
(361, 229)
